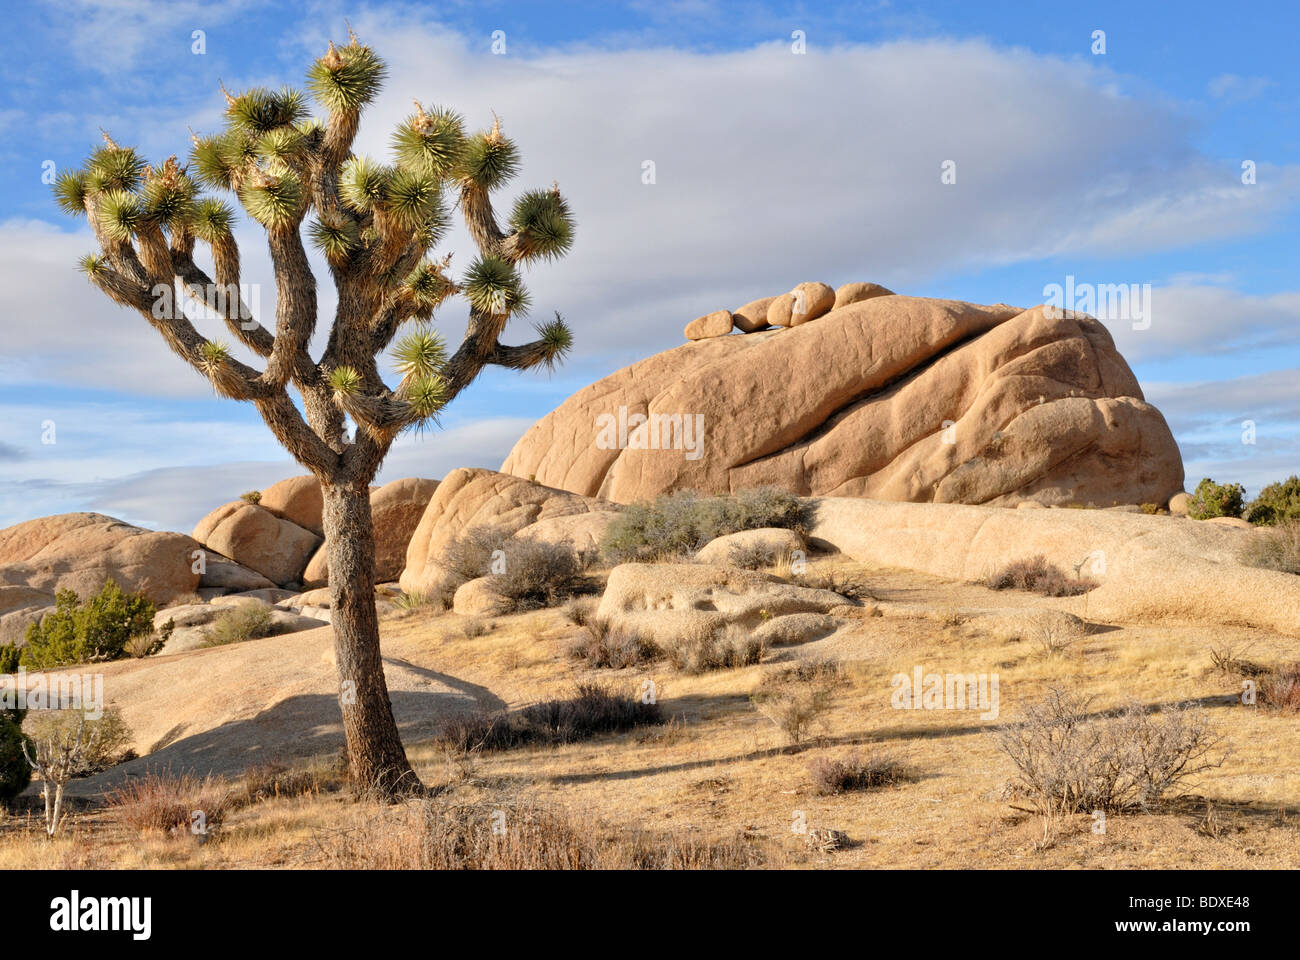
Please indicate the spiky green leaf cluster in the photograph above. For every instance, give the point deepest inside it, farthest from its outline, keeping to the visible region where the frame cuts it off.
(428, 395)
(70, 192)
(345, 380)
(113, 168)
(412, 199)
(212, 354)
(556, 339)
(216, 159)
(169, 199)
(280, 148)
(346, 79)
(489, 160)
(428, 285)
(493, 286)
(211, 219)
(273, 201)
(421, 353)
(543, 223)
(119, 214)
(259, 111)
(430, 143)
(363, 182)
(336, 240)
(91, 265)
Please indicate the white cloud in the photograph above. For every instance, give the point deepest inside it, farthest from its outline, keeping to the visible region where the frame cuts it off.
(1234, 88)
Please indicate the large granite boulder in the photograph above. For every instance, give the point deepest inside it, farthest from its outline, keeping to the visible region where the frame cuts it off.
(256, 538)
(888, 397)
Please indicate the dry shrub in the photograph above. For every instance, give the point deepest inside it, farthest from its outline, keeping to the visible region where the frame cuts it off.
(517, 835)
(838, 581)
(169, 803)
(472, 627)
(581, 610)
(857, 772)
(600, 645)
(721, 648)
(1036, 575)
(1279, 689)
(268, 781)
(1054, 634)
(592, 710)
(1275, 548)
(539, 574)
(752, 556)
(247, 621)
(1070, 762)
(819, 670)
(794, 705)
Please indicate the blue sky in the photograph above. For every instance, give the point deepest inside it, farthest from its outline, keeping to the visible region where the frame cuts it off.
(1123, 167)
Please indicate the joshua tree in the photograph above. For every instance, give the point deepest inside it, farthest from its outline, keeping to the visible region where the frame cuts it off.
(375, 225)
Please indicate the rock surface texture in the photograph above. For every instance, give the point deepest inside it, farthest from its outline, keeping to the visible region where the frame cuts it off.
(888, 397)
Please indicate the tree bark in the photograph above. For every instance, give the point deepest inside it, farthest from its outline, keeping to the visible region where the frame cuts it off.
(376, 759)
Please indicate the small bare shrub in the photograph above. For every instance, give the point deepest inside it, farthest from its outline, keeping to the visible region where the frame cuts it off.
(1232, 661)
(273, 780)
(857, 772)
(1053, 635)
(251, 496)
(147, 644)
(719, 649)
(469, 556)
(1275, 548)
(821, 670)
(1070, 762)
(472, 627)
(838, 581)
(600, 645)
(1038, 576)
(795, 707)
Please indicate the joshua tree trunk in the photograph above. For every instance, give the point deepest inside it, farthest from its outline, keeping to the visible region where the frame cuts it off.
(375, 755)
(376, 225)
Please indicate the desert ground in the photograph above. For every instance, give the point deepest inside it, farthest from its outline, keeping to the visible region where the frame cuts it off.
(719, 775)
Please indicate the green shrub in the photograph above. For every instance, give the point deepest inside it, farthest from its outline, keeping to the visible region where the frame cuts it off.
(251, 496)
(1216, 500)
(678, 524)
(10, 656)
(248, 621)
(104, 739)
(89, 632)
(1276, 503)
(15, 771)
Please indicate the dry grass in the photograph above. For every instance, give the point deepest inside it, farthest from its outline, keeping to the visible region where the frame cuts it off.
(1036, 575)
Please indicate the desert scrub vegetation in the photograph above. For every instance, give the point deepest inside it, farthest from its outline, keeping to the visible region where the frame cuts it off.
(594, 709)
(677, 524)
(858, 771)
(600, 645)
(1279, 688)
(169, 803)
(530, 574)
(1036, 575)
(719, 648)
(91, 632)
(247, 621)
(1275, 548)
(839, 581)
(797, 699)
(1212, 499)
(1070, 760)
(251, 496)
(440, 834)
(1276, 503)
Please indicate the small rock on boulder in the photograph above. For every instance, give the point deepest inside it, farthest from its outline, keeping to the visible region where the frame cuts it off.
(219, 571)
(476, 598)
(752, 317)
(857, 292)
(810, 301)
(715, 324)
(795, 628)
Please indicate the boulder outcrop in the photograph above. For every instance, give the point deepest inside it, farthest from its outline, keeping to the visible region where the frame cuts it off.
(256, 538)
(888, 397)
